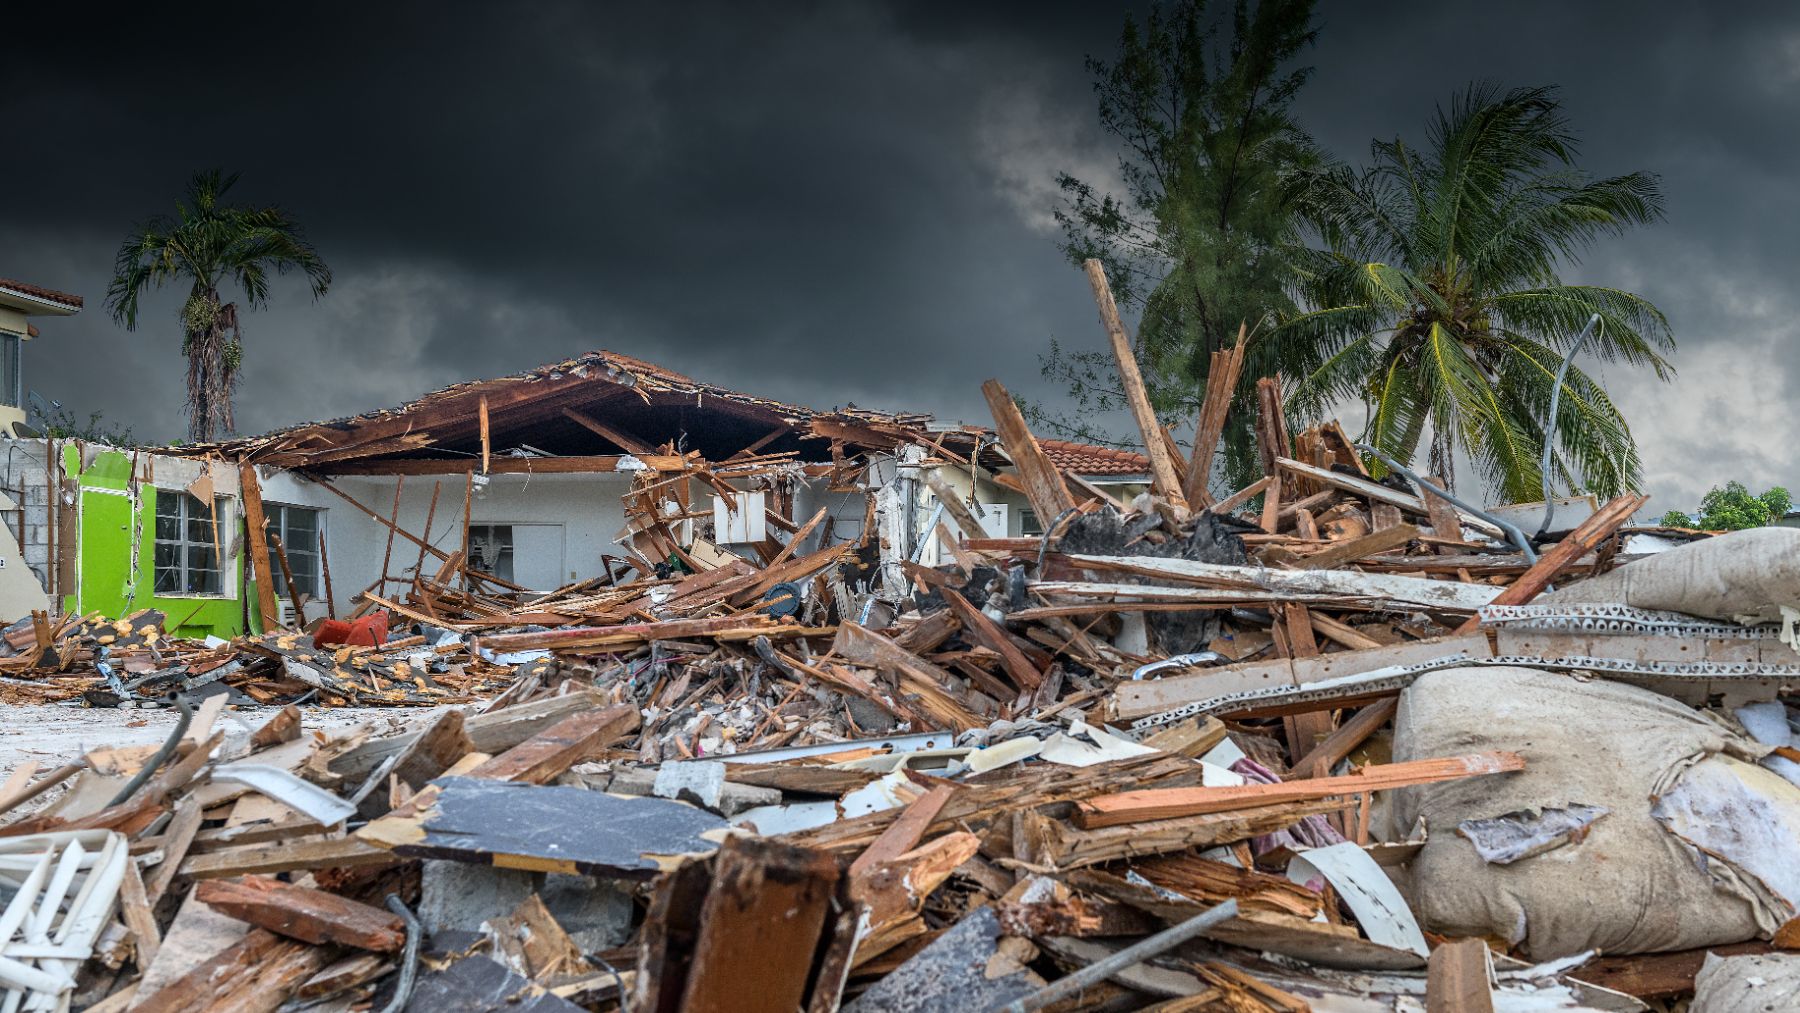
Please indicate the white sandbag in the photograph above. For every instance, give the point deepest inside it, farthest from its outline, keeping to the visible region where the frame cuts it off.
(1744, 576)
(1628, 885)
(1748, 984)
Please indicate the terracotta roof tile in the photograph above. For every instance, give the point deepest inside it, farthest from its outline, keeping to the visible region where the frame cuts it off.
(1086, 459)
(40, 292)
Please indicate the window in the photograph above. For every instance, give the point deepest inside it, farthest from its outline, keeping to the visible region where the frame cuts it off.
(187, 558)
(299, 529)
(1029, 525)
(11, 381)
(491, 549)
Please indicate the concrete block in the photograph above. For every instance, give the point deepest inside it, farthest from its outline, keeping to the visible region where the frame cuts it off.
(460, 896)
(596, 913)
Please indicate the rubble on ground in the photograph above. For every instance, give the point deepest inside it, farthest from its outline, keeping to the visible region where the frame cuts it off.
(1340, 751)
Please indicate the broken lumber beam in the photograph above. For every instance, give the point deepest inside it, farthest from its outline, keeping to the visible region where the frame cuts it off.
(254, 522)
(1584, 539)
(624, 441)
(994, 637)
(1172, 803)
(1221, 388)
(493, 733)
(298, 912)
(1273, 444)
(750, 934)
(958, 510)
(1163, 477)
(1044, 485)
(256, 975)
(1353, 549)
(546, 755)
(1242, 496)
(284, 856)
(1456, 979)
(1339, 744)
(916, 677)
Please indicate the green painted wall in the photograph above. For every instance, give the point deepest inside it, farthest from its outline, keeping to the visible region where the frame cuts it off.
(105, 574)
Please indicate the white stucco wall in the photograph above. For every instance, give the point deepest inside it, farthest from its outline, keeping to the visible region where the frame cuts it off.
(587, 507)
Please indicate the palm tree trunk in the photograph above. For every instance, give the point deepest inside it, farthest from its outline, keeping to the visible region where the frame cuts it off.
(197, 410)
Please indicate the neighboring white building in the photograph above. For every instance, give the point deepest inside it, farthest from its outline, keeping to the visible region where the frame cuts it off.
(19, 302)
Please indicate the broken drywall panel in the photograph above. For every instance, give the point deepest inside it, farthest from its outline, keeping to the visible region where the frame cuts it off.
(1506, 839)
(1368, 891)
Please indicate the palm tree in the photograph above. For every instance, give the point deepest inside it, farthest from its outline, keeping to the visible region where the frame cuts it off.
(209, 243)
(1437, 303)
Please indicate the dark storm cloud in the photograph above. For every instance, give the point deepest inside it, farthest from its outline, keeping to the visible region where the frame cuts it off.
(827, 203)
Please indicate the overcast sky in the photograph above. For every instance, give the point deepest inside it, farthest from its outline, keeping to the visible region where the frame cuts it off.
(827, 203)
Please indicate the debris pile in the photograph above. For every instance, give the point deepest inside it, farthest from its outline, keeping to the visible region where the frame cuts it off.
(1328, 743)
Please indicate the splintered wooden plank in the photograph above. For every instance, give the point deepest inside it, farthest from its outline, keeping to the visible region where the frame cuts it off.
(993, 636)
(283, 727)
(777, 895)
(917, 677)
(1350, 483)
(904, 834)
(134, 906)
(1444, 521)
(954, 506)
(1384, 540)
(176, 841)
(1338, 744)
(1044, 485)
(1456, 979)
(491, 733)
(1221, 387)
(1272, 440)
(1172, 803)
(1163, 476)
(284, 856)
(1242, 496)
(311, 916)
(251, 492)
(441, 744)
(544, 756)
(256, 975)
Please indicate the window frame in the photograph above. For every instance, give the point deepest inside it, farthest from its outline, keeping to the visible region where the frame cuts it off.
(282, 529)
(221, 507)
(506, 549)
(12, 395)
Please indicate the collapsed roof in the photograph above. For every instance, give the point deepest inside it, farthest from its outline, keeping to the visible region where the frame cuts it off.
(582, 414)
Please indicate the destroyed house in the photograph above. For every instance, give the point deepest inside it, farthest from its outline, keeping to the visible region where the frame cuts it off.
(575, 473)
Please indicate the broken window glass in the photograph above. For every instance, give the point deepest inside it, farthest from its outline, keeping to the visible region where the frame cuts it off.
(186, 557)
(298, 528)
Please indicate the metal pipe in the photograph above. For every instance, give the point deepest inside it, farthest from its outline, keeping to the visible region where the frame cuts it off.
(409, 958)
(1178, 661)
(1512, 530)
(1550, 422)
(1126, 958)
(1049, 532)
(160, 757)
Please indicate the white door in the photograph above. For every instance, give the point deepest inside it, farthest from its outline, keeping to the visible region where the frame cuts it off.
(537, 556)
